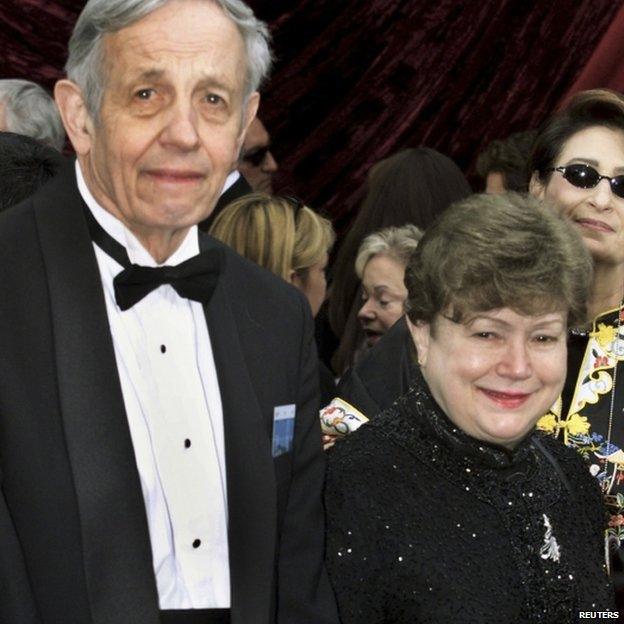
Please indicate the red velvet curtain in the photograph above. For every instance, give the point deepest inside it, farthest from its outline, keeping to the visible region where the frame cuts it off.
(357, 80)
(605, 67)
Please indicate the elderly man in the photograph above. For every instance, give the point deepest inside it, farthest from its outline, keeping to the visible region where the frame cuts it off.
(26, 108)
(160, 454)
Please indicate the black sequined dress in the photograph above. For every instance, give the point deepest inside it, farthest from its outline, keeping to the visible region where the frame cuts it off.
(426, 524)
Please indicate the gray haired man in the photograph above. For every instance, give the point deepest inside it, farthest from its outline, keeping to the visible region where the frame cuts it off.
(26, 108)
(160, 456)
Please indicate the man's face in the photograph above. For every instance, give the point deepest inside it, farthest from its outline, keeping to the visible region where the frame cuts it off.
(257, 163)
(172, 117)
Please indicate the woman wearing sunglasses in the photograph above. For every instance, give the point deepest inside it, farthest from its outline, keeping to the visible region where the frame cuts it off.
(578, 166)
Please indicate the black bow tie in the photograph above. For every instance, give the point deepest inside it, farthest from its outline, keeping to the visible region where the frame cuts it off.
(195, 278)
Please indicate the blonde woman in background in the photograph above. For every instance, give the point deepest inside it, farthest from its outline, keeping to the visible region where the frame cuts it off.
(289, 239)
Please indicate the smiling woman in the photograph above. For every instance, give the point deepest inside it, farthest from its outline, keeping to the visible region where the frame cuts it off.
(495, 371)
(471, 515)
(578, 167)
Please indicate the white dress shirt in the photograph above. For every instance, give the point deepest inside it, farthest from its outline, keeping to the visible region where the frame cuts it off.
(230, 180)
(173, 405)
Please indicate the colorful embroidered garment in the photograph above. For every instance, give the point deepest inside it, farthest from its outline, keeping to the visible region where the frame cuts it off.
(581, 419)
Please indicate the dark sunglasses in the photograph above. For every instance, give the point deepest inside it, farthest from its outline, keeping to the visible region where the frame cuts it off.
(256, 156)
(586, 177)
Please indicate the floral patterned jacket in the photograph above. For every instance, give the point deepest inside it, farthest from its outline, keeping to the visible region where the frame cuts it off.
(594, 408)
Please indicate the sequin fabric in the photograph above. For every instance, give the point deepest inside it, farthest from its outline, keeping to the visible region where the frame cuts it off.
(426, 524)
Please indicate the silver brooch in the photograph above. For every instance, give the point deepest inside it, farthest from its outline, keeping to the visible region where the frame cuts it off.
(550, 548)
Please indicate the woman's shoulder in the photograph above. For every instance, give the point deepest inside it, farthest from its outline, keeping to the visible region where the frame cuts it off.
(379, 443)
(558, 449)
(366, 440)
(368, 445)
(372, 477)
(575, 468)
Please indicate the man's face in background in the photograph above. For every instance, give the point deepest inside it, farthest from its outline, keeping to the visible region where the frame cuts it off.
(256, 161)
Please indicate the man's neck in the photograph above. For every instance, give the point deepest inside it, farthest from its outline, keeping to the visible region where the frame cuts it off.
(159, 243)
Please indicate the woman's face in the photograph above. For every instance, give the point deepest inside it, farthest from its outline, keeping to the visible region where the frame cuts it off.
(313, 284)
(496, 374)
(597, 212)
(383, 295)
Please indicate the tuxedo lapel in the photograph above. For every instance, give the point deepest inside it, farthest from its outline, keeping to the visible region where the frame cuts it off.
(115, 539)
(238, 189)
(250, 474)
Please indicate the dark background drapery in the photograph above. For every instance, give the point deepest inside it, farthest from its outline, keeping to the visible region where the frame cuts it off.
(356, 80)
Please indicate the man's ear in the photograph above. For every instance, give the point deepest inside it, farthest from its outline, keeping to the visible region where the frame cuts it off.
(249, 114)
(76, 118)
(536, 187)
(421, 335)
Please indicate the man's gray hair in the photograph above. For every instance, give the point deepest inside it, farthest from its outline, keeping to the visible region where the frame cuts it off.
(85, 64)
(29, 110)
(397, 242)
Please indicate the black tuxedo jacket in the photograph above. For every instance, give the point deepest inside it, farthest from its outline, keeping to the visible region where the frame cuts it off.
(74, 543)
(238, 189)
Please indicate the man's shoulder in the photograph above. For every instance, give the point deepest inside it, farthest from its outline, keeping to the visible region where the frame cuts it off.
(55, 194)
(53, 211)
(248, 281)
(17, 227)
(16, 215)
